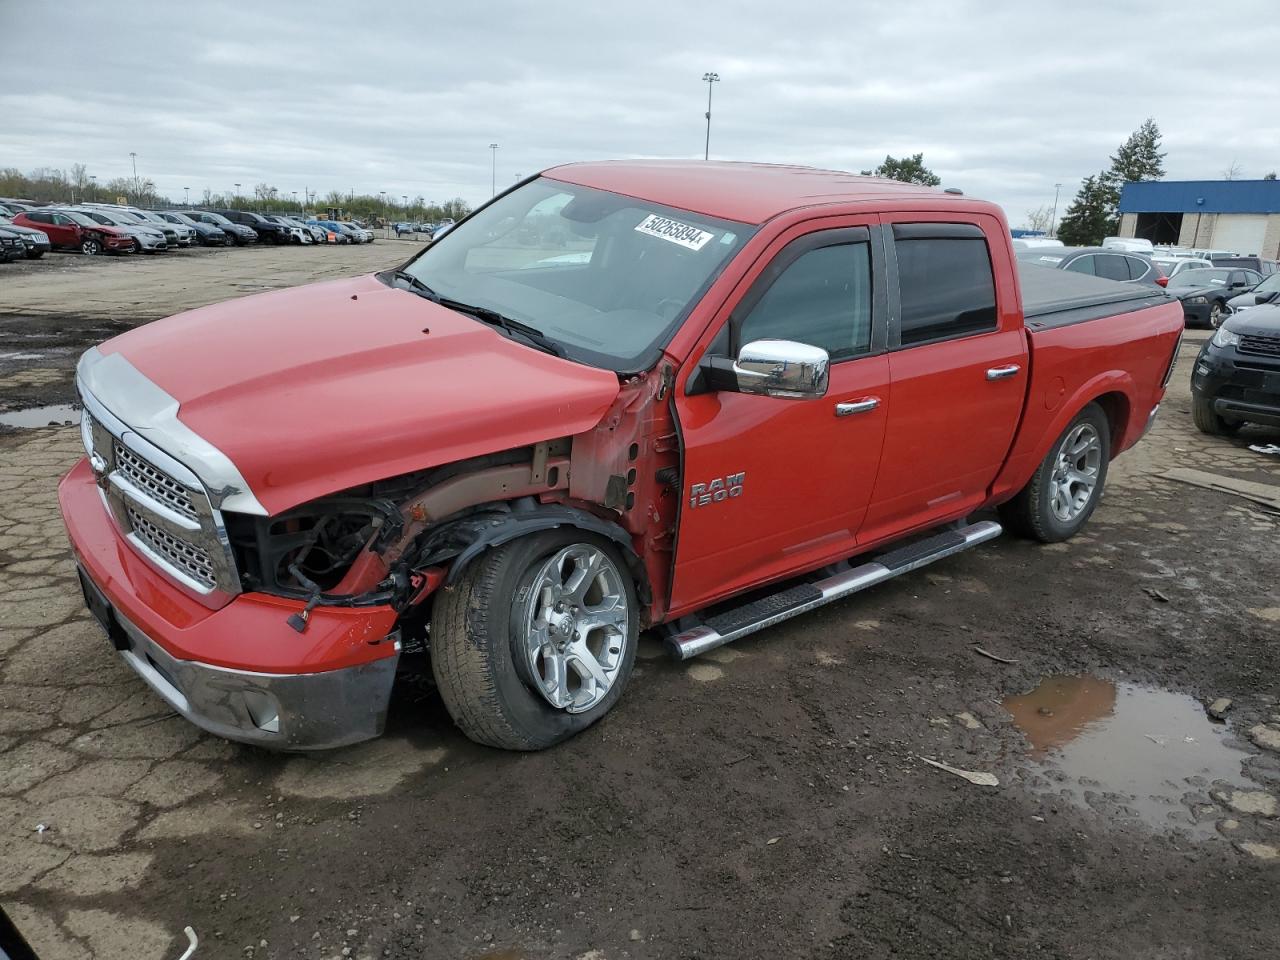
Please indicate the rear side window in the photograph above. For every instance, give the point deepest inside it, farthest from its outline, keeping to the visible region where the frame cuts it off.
(823, 299)
(1111, 266)
(946, 285)
(1137, 268)
(40, 217)
(1082, 265)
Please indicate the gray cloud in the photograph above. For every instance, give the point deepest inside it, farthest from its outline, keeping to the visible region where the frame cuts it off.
(1005, 99)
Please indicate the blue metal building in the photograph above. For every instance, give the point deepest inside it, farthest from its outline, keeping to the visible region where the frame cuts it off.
(1238, 215)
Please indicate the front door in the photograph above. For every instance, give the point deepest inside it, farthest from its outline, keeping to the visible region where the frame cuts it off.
(773, 486)
(958, 366)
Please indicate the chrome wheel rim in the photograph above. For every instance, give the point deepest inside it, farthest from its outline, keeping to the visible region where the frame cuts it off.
(1215, 315)
(1075, 472)
(575, 623)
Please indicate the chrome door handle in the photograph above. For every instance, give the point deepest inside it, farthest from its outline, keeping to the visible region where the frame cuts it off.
(857, 406)
(1003, 373)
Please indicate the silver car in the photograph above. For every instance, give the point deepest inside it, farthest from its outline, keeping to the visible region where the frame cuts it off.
(186, 234)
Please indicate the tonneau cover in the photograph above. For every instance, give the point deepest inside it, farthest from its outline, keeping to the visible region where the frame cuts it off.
(1056, 298)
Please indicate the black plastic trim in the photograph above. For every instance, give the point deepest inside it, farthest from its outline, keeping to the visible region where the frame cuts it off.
(938, 231)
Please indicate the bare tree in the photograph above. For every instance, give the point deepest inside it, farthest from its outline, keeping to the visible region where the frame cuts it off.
(1233, 172)
(1038, 219)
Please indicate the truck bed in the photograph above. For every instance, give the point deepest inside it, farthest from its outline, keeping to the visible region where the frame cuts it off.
(1058, 298)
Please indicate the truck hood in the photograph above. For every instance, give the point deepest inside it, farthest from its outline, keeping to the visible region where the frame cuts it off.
(321, 388)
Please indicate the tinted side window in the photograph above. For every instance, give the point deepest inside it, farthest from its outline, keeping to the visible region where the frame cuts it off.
(1111, 266)
(40, 217)
(822, 299)
(1137, 268)
(1081, 265)
(947, 288)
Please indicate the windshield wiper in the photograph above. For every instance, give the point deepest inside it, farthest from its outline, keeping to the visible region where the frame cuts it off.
(414, 282)
(532, 334)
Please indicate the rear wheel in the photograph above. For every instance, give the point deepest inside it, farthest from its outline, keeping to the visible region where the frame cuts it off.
(1064, 491)
(537, 639)
(90, 247)
(1207, 419)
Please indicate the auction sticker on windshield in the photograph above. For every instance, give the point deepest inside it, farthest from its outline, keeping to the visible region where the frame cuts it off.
(674, 231)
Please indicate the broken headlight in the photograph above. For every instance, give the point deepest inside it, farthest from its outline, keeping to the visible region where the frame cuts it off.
(310, 548)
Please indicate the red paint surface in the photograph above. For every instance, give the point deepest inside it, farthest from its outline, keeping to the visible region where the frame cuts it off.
(311, 390)
(249, 633)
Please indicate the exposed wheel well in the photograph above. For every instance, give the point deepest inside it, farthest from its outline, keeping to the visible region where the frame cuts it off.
(1116, 406)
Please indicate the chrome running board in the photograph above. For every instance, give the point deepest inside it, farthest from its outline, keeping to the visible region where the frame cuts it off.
(734, 624)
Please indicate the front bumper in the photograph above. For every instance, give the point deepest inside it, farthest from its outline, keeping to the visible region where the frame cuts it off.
(1196, 312)
(241, 671)
(1240, 386)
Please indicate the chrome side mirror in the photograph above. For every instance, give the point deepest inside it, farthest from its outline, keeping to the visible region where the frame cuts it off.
(782, 368)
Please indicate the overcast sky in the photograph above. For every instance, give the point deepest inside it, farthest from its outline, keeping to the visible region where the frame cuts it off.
(1005, 99)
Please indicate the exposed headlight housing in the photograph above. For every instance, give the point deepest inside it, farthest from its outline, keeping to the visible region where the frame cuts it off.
(1225, 338)
(1197, 299)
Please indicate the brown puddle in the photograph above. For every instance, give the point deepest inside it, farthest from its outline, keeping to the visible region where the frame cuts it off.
(1128, 752)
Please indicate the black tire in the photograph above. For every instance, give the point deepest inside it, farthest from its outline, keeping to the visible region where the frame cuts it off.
(1217, 313)
(34, 254)
(1031, 514)
(90, 247)
(1207, 419)
(474, 627)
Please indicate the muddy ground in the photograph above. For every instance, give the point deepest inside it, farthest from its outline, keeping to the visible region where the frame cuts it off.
(768, 800)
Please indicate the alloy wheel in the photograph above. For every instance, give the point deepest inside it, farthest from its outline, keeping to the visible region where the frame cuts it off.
(1075, 472)
(575, 627)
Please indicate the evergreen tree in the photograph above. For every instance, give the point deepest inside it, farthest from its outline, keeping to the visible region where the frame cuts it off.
(908, 170)
(1090, 216)
(1139, 158)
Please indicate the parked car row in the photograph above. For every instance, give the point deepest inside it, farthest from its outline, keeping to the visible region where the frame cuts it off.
(432, 230)
(31, 230)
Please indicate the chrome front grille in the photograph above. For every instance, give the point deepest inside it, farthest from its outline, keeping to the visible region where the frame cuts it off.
(1259, 346)
(178, 553)
(160, 506)
(154, 482)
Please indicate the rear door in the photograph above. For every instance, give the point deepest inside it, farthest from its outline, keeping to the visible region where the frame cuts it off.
(774, 486)
(59, 234)
(957, 367)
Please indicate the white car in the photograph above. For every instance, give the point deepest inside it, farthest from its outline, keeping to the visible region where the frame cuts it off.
(1129, 245)
(1172, 266)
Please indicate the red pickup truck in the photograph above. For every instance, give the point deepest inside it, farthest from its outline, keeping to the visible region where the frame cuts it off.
(621, 396)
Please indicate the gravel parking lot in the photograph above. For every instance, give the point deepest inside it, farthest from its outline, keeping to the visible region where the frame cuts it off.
(767, 800)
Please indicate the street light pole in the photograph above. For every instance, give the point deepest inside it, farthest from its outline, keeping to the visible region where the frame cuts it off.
(1053, 217)
(493, 176)
(709, 79)
(236, 198)
(134, 158)
(93, 181)
(187, 191)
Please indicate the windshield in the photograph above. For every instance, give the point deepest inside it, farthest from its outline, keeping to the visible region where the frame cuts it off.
(80, 218)
(1200, 278)
(121, 217)
(607, 277)
(1269, 285)
(182, 218)
(216, 218)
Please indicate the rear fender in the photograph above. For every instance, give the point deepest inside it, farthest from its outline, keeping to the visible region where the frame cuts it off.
(1036, 436)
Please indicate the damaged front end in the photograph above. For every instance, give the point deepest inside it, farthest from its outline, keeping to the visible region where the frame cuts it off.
(396, 541)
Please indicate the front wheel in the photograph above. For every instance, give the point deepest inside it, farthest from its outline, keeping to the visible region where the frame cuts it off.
(1207, 420)
(536, 640)
(1066, 487)
(90, 247)
(1217, 313)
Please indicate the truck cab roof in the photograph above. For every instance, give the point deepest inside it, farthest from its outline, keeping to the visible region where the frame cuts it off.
(745, 192)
